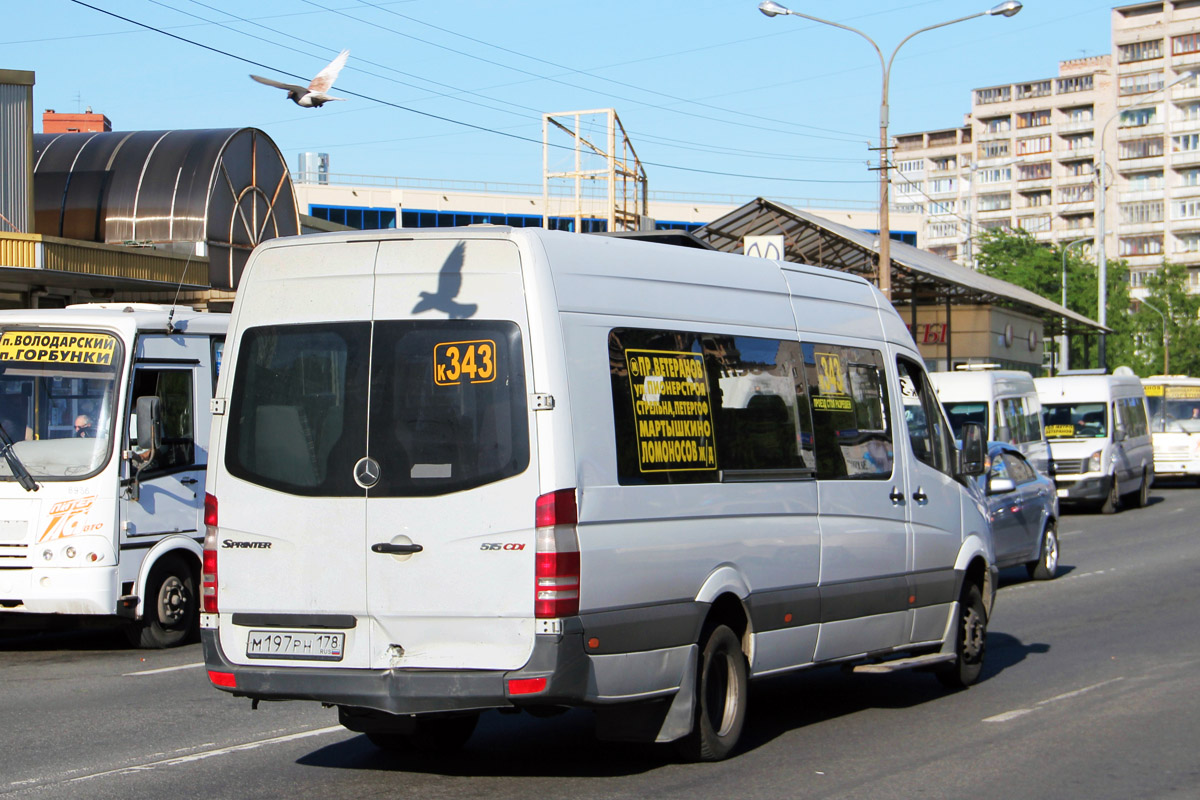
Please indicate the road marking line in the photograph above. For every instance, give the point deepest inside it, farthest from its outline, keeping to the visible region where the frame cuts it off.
(220, 751)
(1005, 716)
(1078, 692)
(162, 670)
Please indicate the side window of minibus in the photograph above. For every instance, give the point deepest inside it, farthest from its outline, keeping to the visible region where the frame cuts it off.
(926, 427)
(174, 388)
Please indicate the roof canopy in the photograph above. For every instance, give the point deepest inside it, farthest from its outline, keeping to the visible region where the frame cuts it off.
(918, 276)
(228, 188)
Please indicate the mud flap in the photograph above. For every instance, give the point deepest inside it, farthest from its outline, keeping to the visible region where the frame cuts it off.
(660, 720)
(681, 716)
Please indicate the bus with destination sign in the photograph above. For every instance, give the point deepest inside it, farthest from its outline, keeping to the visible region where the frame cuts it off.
(1174, 405)
(104, 419)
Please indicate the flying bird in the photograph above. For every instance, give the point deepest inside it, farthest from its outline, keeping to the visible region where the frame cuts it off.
(312, 96)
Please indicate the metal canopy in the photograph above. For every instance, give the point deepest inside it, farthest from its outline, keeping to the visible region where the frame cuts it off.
(918, 276)
(226, 188)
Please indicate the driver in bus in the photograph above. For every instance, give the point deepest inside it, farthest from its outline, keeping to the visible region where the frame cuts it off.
(84, 429)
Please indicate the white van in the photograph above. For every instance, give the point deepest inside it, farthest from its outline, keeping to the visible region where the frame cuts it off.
(104, 428)
(1174, 405)
(1099, 439)
(1004, 402)
(488, 467)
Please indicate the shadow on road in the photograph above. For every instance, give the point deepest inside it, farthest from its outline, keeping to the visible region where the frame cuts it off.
(565, 746)
(1016, 576)
(74, 640)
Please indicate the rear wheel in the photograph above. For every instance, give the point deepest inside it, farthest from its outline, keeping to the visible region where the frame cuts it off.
(970, 641)
(1141, 498)
(433, 734)
(1113, 500)
(1047, 564)
(721, 690)
(170, 615)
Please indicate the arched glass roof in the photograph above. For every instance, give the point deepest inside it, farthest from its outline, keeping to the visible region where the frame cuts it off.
(228, 188)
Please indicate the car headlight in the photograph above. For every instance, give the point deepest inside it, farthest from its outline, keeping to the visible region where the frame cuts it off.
(1095, 460)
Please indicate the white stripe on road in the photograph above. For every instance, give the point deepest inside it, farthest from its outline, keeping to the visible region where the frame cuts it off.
(162, 670)
(219, 751)
(1020, 712)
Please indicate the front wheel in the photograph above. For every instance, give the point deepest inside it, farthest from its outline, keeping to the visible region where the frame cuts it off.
(170, 614)
(970, 641)
(1113, 500)
(1046, 565)
(722, 685)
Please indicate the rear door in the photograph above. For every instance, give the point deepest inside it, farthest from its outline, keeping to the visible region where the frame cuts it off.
(292, 550)
(451, 446)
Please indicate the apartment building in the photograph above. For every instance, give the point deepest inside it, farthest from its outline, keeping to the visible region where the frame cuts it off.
(1023, 159)
(1032, 151)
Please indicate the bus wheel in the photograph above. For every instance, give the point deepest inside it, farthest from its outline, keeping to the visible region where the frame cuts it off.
(722, 687)
(169, 617)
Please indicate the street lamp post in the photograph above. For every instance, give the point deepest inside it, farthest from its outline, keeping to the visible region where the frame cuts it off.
(1101, 206)
(1064, 350)
(1166, 338)
(772, 9)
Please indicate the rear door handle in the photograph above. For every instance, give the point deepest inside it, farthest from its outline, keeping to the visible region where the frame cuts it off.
(896, 496)
(395, 549)
(189, 481)
(919, 495)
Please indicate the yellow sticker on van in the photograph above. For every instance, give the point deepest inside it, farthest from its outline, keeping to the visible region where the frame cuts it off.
(672, 411)
(1154, 390)
(58, 347)
(1060, 431)
(455, 363)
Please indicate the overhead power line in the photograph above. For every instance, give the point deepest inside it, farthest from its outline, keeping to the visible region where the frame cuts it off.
(439, 117)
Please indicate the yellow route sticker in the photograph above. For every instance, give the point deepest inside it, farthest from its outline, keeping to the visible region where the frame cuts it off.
(58, 347)
(672, 410)
(1060, 431)
(456, 363)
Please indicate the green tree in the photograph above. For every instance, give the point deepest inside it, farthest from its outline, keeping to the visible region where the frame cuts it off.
(1167, 292)
(1017, 257)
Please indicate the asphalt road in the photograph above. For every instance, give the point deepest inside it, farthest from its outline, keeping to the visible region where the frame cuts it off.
(1091, 689)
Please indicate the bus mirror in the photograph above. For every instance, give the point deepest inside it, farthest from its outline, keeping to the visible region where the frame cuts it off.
(149, 424)
(972, 449)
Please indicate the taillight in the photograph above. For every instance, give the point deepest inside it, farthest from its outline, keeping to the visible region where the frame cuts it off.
(208, 576)
(557, 571)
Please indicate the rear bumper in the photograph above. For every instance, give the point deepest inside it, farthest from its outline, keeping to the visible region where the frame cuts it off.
(559, 659)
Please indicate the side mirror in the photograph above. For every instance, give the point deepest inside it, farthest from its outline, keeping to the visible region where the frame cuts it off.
(972, 449)
(149, 423)
(1000, 485)
(1119, 433)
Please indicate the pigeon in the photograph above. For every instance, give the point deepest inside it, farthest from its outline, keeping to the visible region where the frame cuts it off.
(314, 95)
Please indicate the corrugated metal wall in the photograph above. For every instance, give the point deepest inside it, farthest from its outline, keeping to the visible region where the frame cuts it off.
(16, 150)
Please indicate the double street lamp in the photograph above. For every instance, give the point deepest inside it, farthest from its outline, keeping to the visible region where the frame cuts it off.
(772, 9)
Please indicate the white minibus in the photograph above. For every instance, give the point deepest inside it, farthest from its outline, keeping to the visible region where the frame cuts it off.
(1174, 405)
(496, 468)
(1004, 402)
(104, 427)
(1099, 437)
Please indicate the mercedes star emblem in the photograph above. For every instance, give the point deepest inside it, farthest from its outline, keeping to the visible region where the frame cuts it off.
(366, 472)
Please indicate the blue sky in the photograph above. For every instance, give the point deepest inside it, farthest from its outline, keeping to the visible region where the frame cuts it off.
(786, 108)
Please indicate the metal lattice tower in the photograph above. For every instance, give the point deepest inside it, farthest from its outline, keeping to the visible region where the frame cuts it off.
(611, 160)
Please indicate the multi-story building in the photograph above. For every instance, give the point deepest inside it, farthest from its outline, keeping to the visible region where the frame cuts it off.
(1028, 153)
(1023, 159)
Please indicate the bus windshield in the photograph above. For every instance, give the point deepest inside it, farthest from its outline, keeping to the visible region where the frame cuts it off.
(57, 396)
(1075, 421)
(1173, 409)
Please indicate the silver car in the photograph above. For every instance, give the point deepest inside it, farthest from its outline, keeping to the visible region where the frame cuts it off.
(1023, 508)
